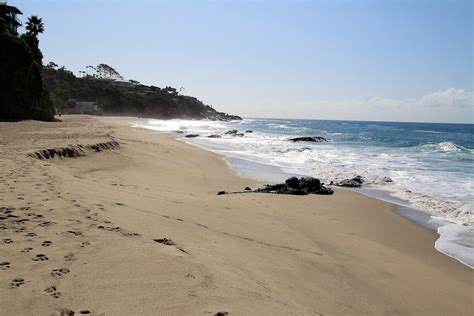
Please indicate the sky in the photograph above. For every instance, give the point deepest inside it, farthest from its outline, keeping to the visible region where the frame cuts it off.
(390, 60)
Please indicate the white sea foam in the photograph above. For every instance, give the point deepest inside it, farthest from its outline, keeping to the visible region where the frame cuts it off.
(457, 241)
(445, 147)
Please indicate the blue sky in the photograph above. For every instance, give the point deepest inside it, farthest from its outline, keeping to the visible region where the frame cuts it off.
(364, 60)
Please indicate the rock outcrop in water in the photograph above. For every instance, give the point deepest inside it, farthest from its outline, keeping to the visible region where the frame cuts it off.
(309, 139)
(355, 182)
(192, 135)
(73, 151)
(231, 132)
(387, 179)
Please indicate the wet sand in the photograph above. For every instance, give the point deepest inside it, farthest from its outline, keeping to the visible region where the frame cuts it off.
(140, 230)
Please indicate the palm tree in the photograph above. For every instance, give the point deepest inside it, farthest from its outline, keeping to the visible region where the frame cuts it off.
(34, 26)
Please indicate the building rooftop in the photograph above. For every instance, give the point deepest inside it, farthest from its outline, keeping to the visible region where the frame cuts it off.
(9, 9)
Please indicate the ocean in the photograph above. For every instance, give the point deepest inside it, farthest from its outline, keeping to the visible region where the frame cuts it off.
(431, 164)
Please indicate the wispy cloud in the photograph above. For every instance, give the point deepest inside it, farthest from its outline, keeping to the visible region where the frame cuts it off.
(450, 98)
(450, 105)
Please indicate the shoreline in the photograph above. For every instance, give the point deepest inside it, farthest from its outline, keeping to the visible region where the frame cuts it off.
(268, 173)
(402, 207)
(243, 253)
(411, 178)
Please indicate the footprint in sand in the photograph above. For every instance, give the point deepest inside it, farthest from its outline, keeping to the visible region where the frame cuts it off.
(27, 249)
(46, 243)
(57, 273)
(7, 241)
(74, 232)
(52, 290)
(110, 229)
(69, 257)
(68, 312)
(165, 241)
(17, 283)
(169, 242)
(40, 257)
(30, 235)
(85, 244)
(4, 265)
(46, 224)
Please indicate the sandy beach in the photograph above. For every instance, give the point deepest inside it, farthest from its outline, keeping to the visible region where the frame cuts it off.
(140, 230)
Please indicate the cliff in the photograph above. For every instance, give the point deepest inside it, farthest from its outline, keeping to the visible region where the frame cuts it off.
(22, 93)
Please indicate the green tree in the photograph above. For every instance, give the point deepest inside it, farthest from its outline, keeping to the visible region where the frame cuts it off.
(107, 72)
(52, 65)
(34, 26)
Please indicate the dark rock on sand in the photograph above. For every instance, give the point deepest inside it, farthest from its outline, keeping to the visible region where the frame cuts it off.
(221, 192)
(214, 136)
(293, 182)
(192, 135)
(295, 186)
(247, 189)
(309, 139)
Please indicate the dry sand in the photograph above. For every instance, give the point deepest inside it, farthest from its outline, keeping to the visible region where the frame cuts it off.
(96, 218)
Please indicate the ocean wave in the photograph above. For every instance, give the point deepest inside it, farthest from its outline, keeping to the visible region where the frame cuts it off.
(447, 147)
(282, 126)
(427, 131)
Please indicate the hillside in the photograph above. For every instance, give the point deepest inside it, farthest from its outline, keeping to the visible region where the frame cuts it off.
(30, 90)
(118, 97)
